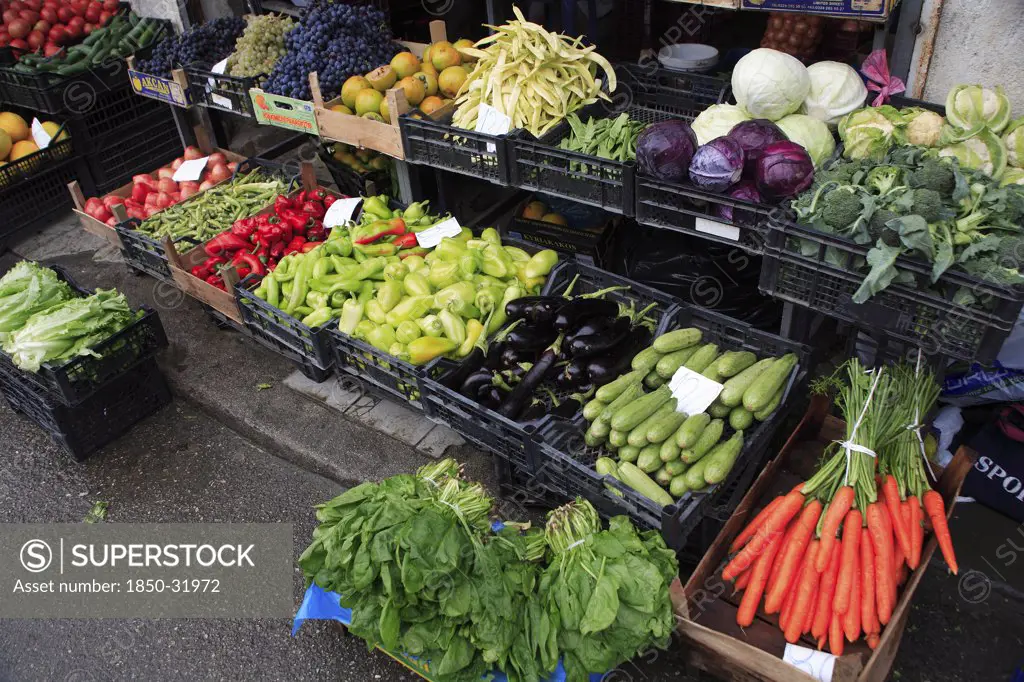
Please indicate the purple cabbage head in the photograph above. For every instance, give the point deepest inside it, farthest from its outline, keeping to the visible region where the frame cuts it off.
(784, 170)
(717, 165)
(745, 191)
(664, 150)
(754, 135)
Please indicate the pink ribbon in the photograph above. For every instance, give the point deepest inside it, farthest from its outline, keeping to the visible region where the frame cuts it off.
(876, 69)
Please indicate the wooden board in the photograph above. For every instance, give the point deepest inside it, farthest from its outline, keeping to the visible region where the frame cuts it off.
(712, 641)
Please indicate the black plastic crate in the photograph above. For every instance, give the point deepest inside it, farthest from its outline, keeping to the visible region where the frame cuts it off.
(393, 377)
(151, 142)
(145, 253)
(220, 91)
(116, 111)
(350, 182)
(57, 152)
(441, 146)
(33, 202)
(311, 343)
(52, 94)
(590, 231)
(302, 363)
(99, 420)
(805, 267)
(508, 439)
(647, 95)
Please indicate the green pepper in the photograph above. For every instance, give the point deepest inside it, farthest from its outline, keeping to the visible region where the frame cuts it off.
(481, 280)
(496, 262)
(370, 267)
(464, 235)
(389, 294)
(396, 271)
(410, 308)
(272, 289)
(338, 299)
(516, 254)
(318, 318)
(407, 331)
(430, 325)
(414, 263)
(363, 328)
(491, 235)
(367, 292)
(455, 297)
(322, 267)
(399, 350)
(378, 249)
(359, 256)
(285, 270)
(381, 338)
(488, 298)
(286, 290)
(316, 299)
(301, 284)
(343, 263)
(415, 211)
(426, 348)
(533, 286)
(351, 315)
(540, 263)
(450, 250)
(474, 329)
(302, 310)
(415, 284)
(497, 319)
(442, 274)
(469, 264)
(378, 207)
(348, 286)
(375, 312)
(454, 327)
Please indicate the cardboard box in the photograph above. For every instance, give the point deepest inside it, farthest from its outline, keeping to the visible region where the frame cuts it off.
(173, 90)
(710, 637)
(853, 9)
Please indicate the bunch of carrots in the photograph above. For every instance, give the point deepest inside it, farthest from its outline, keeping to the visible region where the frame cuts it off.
(829, 555)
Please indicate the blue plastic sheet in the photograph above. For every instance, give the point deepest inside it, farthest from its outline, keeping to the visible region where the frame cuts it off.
(319, 604)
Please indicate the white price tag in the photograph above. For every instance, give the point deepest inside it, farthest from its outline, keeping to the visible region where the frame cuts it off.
(730, 232)
(492, 122)
(211, 84)
(39, 134)
(221, 101)
(220, 66)
(817, 664)
(341, 211)
(190, 171)
(693, 391)
(432, 236)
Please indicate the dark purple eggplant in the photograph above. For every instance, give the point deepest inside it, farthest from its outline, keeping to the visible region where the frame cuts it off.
(455, 376)
(571, 314)
(495, 352)
(533, 308)
(533, 414)
(530, 338)
(571, 376)
(511, 357)
(611, 366)
(491, 397)
(470, 388)
(515, 402)
(598, 344)
(593, 325)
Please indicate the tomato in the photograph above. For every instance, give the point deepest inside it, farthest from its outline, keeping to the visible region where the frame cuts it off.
(19, 44)
(65, 14)
(219, 173)
(110, 5)
(92, 14)
(192, 153)
(74, 31)
(29, 15)
(165, 173)
(17, 6)
(48, 14)
(105, 17)
(10, 15)
(33, 4)
(18, 28)
(35, 40)
(5, 40)
(49, 49)
(58, 35)
(217, 159)
(77, 21)
(42, 26)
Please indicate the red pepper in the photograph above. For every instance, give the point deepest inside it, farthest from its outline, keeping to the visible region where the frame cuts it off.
(254, 264)
(244, 228)
(406, 241)
(318, 194)
(381, 249)
(295, 220)
(296, 244)
(329, 200)
(215, 280)
(309, 246)
(316, 232)
(417, 251)
(313, 208)
(269, 233)
(225, 242)
(396, 226)
(282, 202)
(276, 252)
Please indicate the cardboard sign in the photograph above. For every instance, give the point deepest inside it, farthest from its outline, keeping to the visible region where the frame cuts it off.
(211, 85)
(817, 664)
(191, 170)
(693, 391)
(39, 134)
(341, 211)
(492, 122)
(730, 232)
(432, 236)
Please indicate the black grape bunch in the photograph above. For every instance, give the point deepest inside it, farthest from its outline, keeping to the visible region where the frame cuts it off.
(207, 43)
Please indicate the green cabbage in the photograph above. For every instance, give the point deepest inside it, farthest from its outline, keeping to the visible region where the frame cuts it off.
(770, 84)
(811, 134)
(978, 149)
(716, 121)
(970, 106)
(1014, 141)
(836, 90)
(25, 290)
(924, 127)
(869, 133)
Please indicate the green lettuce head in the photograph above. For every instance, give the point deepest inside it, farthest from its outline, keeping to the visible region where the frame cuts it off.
(810, 133)
(978, 149)
(871, 132)
(924, 127)
(971, 106)
(1013, 138)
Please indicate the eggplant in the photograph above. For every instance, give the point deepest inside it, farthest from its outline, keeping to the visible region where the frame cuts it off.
(491, 397)
(597, 344)
(594, 325)
(530, 338)
(533, 414)
(455, 376)
(576, 311)
(612, 365)
(516, 401)
(470, 388)
(510, 357)
(574, 374)
(533, 308)
(495, 353)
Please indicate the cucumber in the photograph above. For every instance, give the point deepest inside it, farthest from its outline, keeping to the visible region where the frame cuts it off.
(677, 488)
(718, 410)
(704, 356)
(740, 418)
(653, 380)
(669, 450)
(709, 437)
(711, 371)
(649, 461)
(732, 393)
(610, 391)
(663, 428)
(735, 361)
(642, 483)
(772, 406)
(668, 364)
(645, 360)
(627, 453)
(625, 398)
(592, 410)
(676, 467)
(663, 477)
(760, 393)
(721, 460)
(638, 436)
(694, 476)
(691, 429)
(630, 416)
(606, 467)
(677, 340)
(592, 440)
(617, 438)
(600, 429)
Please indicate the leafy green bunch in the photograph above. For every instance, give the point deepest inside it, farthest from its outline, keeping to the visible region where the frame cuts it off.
(26, 289)
(914, 203)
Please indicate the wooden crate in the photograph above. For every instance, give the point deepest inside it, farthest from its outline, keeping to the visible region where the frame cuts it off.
(706, 613)
(385, 138)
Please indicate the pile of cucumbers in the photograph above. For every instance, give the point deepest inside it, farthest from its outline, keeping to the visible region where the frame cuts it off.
(662, 453)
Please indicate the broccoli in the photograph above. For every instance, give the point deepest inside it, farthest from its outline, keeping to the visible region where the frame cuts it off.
(840, 208)
(878, 220)
(928, 204)
(933, 174)
(841, 173)
(884, 179)
(989, 269)
(1011, 252)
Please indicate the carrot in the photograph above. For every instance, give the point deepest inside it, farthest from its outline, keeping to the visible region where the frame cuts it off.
(804, 595)
(821, 643)
(787, 609)
(758, 578)
(837, 508)
(936, 510)
(881, 540)
(754, 525)
(868, 613)
(916, 532)
(777, 566)
(851, 619)
(781, 516)
(848, 563)
(835, 636)
(873, 640)
(826, 592)
(808, 623)
(891, 494)
(902, 576)
(791, 560)
(743, 580)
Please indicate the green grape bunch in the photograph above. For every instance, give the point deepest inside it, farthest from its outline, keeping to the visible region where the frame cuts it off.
(260, 46)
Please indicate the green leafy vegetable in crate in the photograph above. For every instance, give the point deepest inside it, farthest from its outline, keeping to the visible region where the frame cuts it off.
(607, 138)
(26, 289)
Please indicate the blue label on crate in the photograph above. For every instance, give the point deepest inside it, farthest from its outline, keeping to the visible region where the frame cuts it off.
(163, 89)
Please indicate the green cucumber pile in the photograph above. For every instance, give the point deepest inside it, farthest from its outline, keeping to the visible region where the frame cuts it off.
(661, 453)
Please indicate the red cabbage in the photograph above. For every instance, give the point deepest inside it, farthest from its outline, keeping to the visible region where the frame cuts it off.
(745, 191)
(754, 135)
(664, 150)
(784, 170)
(717, 165)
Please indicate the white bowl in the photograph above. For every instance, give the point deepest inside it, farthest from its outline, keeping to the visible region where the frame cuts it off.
(688, 57)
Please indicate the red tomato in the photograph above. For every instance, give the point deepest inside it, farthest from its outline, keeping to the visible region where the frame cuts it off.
(192, 153)
(205, 185)
(74, 31)
(19, 28)
(217, 159)
(19, 44)
(105, 16)
(29, 15)
(165, 173)
(88, 28)
(49, 14)
(77, 21)
(176, 164)
(78, 8)
(65, 14)
(15, 5)
(10, 15)
(33, 4)
(49, 49)
(219, 173)
(5, 40)
(35, 40)
(167, 185)
(110, 5)
(42, 25)
(58, 35)
(92, 14)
